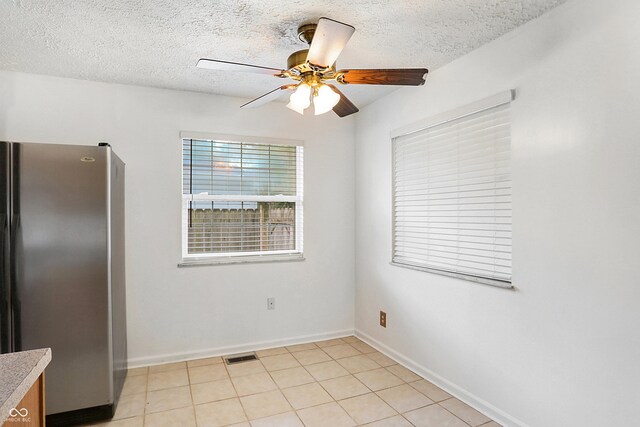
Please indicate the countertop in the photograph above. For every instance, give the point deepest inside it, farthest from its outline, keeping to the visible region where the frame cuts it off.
(18, 372)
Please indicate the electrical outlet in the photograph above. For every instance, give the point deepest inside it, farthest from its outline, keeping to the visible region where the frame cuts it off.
(271, 303)
(383, 319)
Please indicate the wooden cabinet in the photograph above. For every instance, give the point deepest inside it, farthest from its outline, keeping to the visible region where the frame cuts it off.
(30, 412)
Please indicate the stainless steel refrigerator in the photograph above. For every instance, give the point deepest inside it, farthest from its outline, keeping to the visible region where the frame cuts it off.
(62, 277)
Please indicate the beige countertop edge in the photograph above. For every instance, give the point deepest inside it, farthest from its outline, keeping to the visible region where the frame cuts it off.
(18, 372)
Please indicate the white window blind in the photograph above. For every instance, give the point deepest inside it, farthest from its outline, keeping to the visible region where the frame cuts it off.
(452, 197)
(241, 199)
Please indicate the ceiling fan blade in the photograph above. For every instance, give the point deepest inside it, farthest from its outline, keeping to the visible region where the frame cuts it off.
(344, 107)
(328, 41)
(268, 97)
(214, 64)
(397, 76)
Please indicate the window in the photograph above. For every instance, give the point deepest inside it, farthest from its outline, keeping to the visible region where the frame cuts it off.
(241, 200)
(452, 194)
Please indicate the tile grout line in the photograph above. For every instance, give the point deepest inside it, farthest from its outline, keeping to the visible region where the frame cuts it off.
(193, 404)
(414, 409)
(295, 411)
(443, 407)
(405, 418)
(146, 400)
(226, 368)
(278, 387)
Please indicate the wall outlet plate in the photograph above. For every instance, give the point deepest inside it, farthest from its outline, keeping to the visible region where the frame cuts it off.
(383, 319)
(271, 303)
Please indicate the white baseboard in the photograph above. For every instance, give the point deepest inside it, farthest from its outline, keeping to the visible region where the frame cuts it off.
(137, 362)
(470, 399)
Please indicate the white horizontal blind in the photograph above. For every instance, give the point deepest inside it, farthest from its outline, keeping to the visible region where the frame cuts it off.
(241, 198)
(452, 197)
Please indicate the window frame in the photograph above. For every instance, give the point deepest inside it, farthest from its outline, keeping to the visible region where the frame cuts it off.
(497, 100)
(249, 256)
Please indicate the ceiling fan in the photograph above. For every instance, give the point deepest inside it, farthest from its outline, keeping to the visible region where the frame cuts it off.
(312, 68)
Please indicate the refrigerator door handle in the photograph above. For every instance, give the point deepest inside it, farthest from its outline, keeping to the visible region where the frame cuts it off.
(4, 283)
(13, 285)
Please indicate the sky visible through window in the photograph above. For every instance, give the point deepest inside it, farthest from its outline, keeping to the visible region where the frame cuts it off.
(232, 168)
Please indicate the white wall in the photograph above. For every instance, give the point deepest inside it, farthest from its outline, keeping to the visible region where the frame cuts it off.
(563, 349)
(177, 312)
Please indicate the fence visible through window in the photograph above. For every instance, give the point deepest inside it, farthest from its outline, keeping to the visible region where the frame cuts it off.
(269, 226)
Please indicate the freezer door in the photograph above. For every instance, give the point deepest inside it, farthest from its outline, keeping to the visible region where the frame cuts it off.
(5, 268)
(62, 296)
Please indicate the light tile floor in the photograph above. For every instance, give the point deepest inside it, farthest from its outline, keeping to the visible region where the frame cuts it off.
(333, 383)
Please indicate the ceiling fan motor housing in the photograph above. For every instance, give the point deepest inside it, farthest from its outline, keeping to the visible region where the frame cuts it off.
(297, 65)
(297, 58)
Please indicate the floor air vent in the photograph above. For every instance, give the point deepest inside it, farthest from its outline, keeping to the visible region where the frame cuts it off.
(239, 358)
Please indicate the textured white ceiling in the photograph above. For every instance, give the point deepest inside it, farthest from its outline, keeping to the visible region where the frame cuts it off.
(157, 42)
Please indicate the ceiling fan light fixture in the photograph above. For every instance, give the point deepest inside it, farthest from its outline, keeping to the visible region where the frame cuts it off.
(315, 68)
(325, 100)
(295, 108)
(300, 99)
